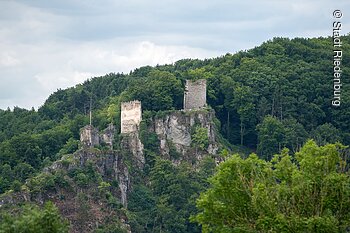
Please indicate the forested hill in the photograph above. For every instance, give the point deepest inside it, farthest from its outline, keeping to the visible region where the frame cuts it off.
(273, 96)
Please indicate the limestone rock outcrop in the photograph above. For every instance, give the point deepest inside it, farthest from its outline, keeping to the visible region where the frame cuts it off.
(175, 130)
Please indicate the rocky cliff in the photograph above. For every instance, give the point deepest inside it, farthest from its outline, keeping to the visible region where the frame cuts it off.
(88, 187)
(91, 186)
(176, 131)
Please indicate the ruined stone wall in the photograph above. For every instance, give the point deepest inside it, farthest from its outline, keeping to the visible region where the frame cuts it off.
(107, 135)
(130, 116)
(89, 136)
(195, 95)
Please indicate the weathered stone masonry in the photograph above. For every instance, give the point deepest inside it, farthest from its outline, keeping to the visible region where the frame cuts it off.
(195, 95)
(89, 136)
(130, 116)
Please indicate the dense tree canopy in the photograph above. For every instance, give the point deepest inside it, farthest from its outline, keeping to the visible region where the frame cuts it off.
(309, 192)
(32, 219)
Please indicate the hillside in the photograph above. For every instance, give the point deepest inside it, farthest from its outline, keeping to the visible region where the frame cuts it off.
(276, 95)
(126, 184)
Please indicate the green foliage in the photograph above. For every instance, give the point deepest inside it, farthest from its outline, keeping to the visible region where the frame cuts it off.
(200, 137)
(113, 111)
(31, 219)
(53, 140)
(174, 154)
(168, 199)
(326, 133)
(159, 91)
(83, 211)
(81, 179)
(103, 188)
(295, 134)
(111, 228)
(42, 182)
(67, 160)
(85, 175)
(309, 193)
(46, 162)
(199, 73)
(16, 186)
(114, 203)
(148, 139)
(22, 171)
(60, 179)
(142, 205)
(243, 102)
(70, 147)
(27, 153)
(207, 167)
(271, 137)
(91, 172)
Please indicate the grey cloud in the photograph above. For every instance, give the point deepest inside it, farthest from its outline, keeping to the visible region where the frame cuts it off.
(62, 42)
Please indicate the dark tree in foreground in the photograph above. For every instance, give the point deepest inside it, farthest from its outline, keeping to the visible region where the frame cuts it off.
(34, 220)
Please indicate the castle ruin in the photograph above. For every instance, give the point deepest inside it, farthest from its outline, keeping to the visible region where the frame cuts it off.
(89, 136)
(130, 121)
(195, 95)
(130, 116)
(107, 136)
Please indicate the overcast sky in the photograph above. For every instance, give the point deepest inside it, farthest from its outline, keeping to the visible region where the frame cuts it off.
(51, 44)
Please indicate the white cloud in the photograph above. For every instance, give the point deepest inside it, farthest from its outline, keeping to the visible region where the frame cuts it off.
(69, 63)
(63, 79)
(6, 59)
(56, 66)
(148, 53)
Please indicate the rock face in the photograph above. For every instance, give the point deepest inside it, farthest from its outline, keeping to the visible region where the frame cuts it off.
(107, 135)
(131, 143)
(122, 175)
(175, 131)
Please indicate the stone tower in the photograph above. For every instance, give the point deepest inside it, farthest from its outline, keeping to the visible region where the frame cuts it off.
(130, 116)
(195, 95)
